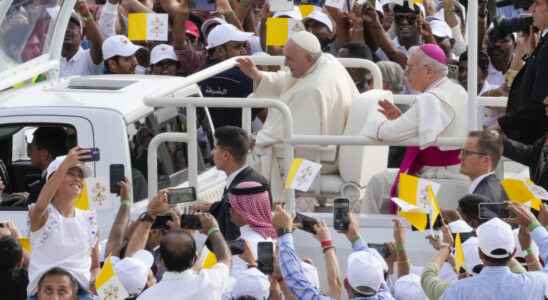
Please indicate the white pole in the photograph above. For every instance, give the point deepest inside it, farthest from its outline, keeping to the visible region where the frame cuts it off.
(473, 65)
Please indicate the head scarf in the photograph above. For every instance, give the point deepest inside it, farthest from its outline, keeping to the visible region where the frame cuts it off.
(251, 200)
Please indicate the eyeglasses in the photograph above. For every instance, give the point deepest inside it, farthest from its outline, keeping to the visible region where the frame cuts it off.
(466, 152)
(410, 18)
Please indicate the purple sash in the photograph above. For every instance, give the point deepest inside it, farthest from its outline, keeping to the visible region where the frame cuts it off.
(415, 159)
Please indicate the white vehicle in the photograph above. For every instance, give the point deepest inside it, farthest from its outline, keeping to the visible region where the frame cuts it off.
(156, 127)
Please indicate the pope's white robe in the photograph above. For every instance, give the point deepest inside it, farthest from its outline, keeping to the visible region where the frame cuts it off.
(319, 102)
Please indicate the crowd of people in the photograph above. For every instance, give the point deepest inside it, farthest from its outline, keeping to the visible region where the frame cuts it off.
(420, 48)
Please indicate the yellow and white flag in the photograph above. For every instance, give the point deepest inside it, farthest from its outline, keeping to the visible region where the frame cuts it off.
(82, 201)
(306, 9)
(419, 197)
(108, 285)
(25, 244)
(459, 253)
(301, 174)
(524, 192)
(148, 27)
(279, 30)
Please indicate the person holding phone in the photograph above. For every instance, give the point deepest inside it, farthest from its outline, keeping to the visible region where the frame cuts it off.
(62, 235)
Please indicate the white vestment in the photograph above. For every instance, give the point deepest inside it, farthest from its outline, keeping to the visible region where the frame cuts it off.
(319, 102)
(438, 112)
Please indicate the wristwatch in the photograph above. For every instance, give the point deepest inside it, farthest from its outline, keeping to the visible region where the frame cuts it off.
(145, 217)
(282, 231)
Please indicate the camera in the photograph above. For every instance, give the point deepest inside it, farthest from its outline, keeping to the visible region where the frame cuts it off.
(504, 27)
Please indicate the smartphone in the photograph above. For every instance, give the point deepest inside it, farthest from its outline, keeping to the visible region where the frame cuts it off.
(265, 257)
(381, 248)
(341, 208)
(116, 175)
(305, 222)
(237, 246)
(493, 210)
(190, 222)
(181, 195)
(161, 222)
(95, 154)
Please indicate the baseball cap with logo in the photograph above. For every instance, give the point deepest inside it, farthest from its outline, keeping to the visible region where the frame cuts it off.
(162, 52)
(118, 45)
(496, 239)
(364, 272)
(225, 33)
(321, 17)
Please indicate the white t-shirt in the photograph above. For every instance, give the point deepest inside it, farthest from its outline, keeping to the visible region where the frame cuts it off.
(192, 285)
(80, 64)
(63, 242)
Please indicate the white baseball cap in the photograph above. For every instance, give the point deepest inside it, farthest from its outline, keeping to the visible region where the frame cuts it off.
(320, 17)
(225, 33)
(162, 52)
(210, 22)
(54, 165)
(118, 45)
(294, 14)
(133, 270)
(409, 287)
(471, 255)
(496, 239)
(251, 282)
(440, 28)
(364, 271)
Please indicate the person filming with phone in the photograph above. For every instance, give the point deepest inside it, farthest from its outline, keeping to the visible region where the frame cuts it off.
(62, 235)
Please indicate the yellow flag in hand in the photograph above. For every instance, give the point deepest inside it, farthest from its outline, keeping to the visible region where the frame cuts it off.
(107, 283)
(521, 192)
(434, 203)
(82, 202)
(279, 30)
(459, 253)
(25, 244)
(148, 27)
(408, 189)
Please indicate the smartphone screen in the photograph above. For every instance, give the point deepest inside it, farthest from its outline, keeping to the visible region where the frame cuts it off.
(493, 210)
(161, 222)
(190, 222)
(265, 257)
(305, 222)
(116, 175)
(341, 208)
(95, 154)
(181, 195)
(381, 248)
(237, 246)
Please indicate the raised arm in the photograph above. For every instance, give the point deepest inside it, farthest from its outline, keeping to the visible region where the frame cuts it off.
(404, 264)
(380, 38)
(116, 235)
(216, 239)
(92, 31)
(38, 213)
(331, 264)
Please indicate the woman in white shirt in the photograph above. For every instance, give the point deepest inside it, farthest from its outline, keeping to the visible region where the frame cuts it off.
(62, 235)
(250, 209)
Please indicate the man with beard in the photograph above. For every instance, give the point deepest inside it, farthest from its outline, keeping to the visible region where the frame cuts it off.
(119, 55)
(500, 49)
(75, 60)
(319, 24)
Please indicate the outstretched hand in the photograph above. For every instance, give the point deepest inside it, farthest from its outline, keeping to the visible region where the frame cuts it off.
(389, 110)
(248, 67)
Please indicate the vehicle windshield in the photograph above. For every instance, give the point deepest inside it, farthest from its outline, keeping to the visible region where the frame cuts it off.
(25, 31)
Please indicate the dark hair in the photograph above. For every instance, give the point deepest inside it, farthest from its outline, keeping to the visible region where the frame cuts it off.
(489, 143)
(469, 205)
(234, 140)
(56, 271)
(52, 139)
(178, 250)
(483, 60)
(245, 298)
(358, 50)
(496, 261)
(11, 253)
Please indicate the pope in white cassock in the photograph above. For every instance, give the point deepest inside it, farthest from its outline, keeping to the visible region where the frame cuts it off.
(438, 111)
(318, 91)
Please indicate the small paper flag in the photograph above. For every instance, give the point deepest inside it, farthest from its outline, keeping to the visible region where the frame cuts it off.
(82, 202)
(25, 244)
(301, 174)
(147, 27)
(279, 30)
(306, 9)
(521, 192)
(210, 259)
(459, 253)
(413, 190)
(108, 285)
(434, 204)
